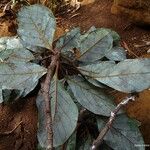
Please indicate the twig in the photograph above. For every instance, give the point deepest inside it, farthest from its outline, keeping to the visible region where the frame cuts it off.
(108, 125)
(56, 88)
(143, 45)
(47, 98)
(7, 6)
(124, 44)
(77, 5)
(11, 131)
(45, 58)
(74, 15)
(127, 26)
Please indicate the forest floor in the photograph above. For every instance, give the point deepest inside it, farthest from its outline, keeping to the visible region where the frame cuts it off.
(97, 14)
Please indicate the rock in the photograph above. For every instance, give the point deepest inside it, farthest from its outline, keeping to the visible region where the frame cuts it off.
(138, 11)
(134, 4)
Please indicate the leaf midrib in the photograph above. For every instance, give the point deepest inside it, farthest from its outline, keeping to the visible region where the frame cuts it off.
(93, 45)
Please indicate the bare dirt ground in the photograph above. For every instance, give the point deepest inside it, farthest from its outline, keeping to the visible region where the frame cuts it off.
(22, 115)
(99, 15)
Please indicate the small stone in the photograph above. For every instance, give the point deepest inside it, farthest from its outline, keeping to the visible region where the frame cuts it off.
(66, 30)
(148, 51)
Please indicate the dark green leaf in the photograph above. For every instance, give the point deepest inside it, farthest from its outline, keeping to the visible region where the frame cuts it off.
(11, 50)
(115, 36)
(92, 99)
(93, 70)
(16, 55)
(10, 43)
(14, 43)
(95, 45)
(20, 76)
(65, 117)
(131, 75)
(68, 42)
(96, 83)
(116, 54)
(36, 26)
(10, 95)
(71, 143)
(123, 135)
(93, 28)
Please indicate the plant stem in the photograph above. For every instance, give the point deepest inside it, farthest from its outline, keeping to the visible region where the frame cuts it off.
(56, 88)
(11, 131)
(47, 98)
(108, 125)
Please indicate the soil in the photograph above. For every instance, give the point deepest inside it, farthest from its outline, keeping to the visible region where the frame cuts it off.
(99, 14)
(96, 14)
(23, 115)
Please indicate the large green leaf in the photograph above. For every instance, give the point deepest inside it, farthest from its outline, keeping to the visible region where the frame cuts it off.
(13, 57)
(115, 35)
(123, 135)
(65, 117)
(92, 99)
(10, 43)
(20, 76)
(92, 45)
(14, 43)
(96, 83)
(69, 41)
(36, 26)
(116, 54)
(95, 45)
(69, 145)
(11, 50)
(16, 55)
(131, 75)
(94, 69)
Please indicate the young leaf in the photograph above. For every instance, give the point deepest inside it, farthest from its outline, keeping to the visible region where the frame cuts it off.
(65, 119)
(92, 99)
(20, 76)
(95, 45)
(36, 26)
(123, 135)
(131, 75)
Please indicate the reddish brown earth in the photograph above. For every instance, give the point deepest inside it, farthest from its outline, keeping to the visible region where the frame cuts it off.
(24, 115)
(24, 111)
